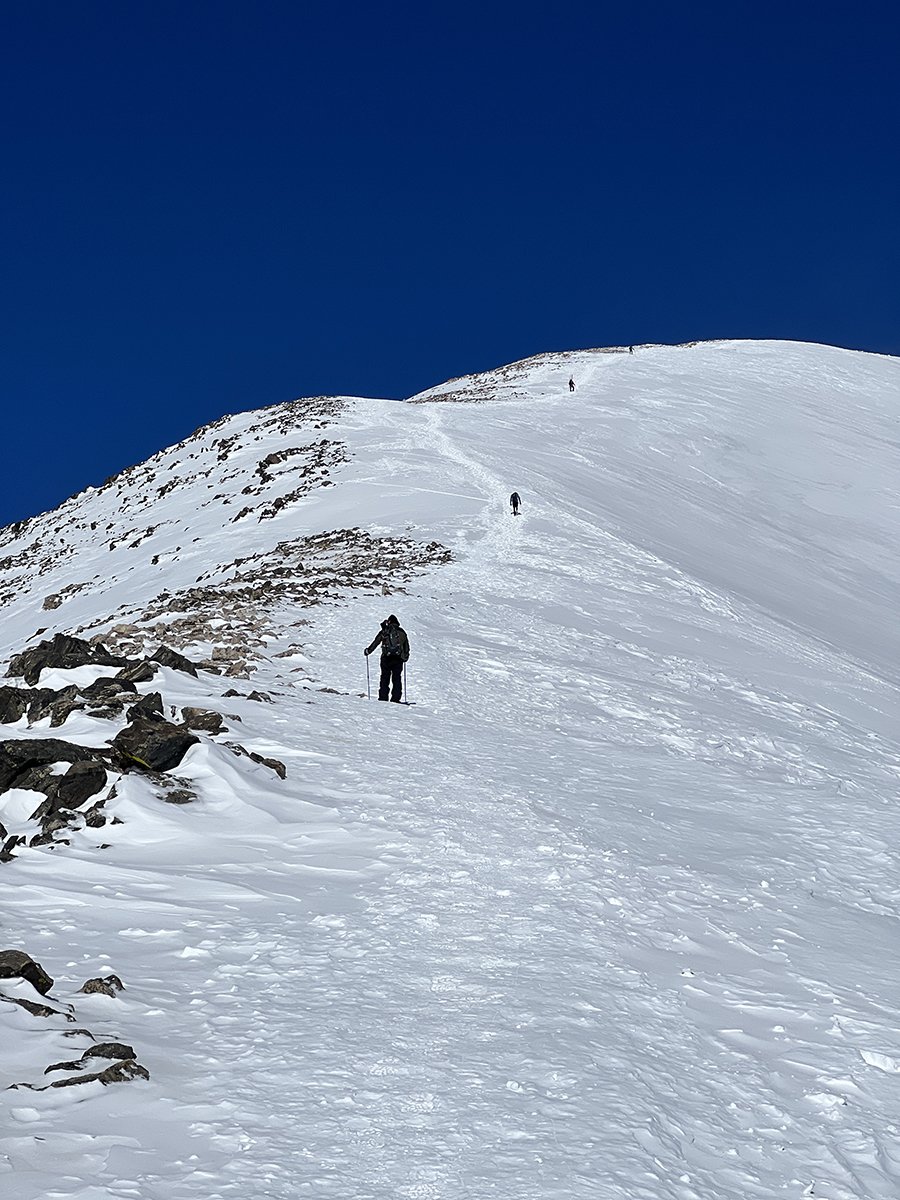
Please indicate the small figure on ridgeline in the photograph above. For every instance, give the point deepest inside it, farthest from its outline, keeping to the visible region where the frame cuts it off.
(571, 384)
(631, 349)
(394, 653)
(514, 503)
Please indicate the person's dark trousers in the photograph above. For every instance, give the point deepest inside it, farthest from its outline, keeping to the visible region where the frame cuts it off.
(391, 676)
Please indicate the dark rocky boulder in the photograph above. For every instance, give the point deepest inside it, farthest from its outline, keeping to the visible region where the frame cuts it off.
(138, 672)
(13, 704)
(156, 745)
(95, 817)
(109, 985)
(6, 851)
(117, 1050)
(64, 793)
(273, 764)
(203, 719)
(149, 706)
(110, 1050)
(17, 757)
(171, 658)
(179, 796)
(107, 687)
(37, 1010)
(80, 782)
(63, 652)
(42, 778)
(48, 702)
(119, 1072)
(16, 964)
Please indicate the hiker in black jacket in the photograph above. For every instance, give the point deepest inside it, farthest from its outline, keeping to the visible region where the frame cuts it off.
(394, 653)
(514, 503)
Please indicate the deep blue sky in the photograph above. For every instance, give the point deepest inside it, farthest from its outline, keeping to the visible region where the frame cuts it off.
(211, 206)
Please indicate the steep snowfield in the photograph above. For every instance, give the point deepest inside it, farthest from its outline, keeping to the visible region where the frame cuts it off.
(610, 913)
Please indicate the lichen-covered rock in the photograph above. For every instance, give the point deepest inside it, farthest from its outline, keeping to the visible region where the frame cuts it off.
(154, 745)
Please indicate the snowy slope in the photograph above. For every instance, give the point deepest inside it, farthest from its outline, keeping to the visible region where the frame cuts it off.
(610, 912)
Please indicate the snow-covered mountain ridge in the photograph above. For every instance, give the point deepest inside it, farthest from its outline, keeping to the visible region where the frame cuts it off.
(166, 544)
(609, 913)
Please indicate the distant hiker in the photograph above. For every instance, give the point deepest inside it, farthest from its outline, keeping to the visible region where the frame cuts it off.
(394, 653)
(515, 502)
(571, 384)
(631, 349)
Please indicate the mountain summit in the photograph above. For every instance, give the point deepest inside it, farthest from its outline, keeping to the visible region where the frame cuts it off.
(608, 911)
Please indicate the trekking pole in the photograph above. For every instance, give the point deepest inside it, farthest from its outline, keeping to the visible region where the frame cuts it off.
(368, 688)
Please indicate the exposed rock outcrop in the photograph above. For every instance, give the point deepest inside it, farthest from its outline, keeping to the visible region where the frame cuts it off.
(156, 745)
(62, 652)
(17, 757)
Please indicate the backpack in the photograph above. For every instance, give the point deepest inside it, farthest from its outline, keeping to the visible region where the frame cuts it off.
(391, 642)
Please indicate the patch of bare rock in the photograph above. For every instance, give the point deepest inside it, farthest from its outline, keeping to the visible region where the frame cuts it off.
(230, 603)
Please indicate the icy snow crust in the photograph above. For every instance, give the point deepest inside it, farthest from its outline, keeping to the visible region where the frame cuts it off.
(610, 914)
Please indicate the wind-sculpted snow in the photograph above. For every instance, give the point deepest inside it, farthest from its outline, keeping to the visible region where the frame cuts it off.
(610, 912)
